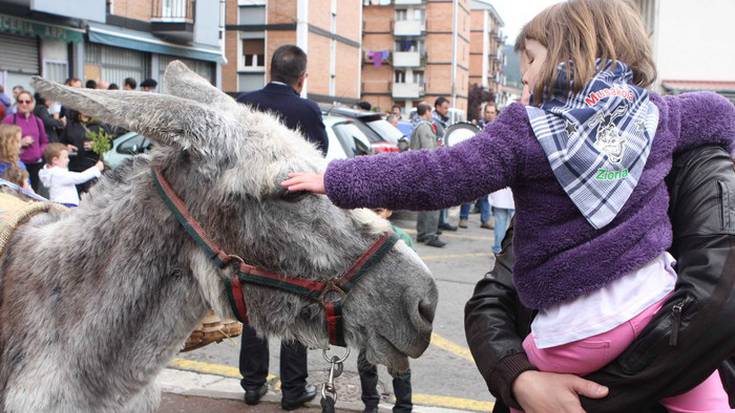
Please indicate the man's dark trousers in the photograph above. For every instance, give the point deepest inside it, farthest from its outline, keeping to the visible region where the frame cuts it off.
(254, 364)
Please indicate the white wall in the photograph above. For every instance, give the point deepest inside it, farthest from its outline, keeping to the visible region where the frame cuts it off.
(695, 40)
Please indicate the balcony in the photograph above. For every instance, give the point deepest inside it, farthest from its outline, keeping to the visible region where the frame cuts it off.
(409, 27)
(408, 2)
(407, 90)
(409, 59)
(173, 19)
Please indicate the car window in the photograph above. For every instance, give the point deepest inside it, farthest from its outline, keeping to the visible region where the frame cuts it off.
(352, 139)
(387, 131)
(134, 145)
(372, 135)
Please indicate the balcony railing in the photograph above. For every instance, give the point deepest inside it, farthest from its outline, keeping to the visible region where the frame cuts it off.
(409, 59)
(174, 11)
(408, 2)
(409, 27)
(407, 90)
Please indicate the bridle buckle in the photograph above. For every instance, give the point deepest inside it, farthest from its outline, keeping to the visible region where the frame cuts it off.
(331, 286)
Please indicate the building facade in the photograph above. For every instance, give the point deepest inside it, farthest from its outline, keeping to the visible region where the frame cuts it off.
(486, 41)
(415, 50)
(692, 44)
(108, 40)
(327, 30)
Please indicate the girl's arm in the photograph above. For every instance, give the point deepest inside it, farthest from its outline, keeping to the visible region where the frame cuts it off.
(434, 179)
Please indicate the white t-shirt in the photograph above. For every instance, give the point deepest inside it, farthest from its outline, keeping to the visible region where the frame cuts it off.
(502, 199)
(606, 308)
(61, 182)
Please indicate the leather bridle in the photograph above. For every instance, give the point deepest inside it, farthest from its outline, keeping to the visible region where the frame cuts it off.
(323, 292)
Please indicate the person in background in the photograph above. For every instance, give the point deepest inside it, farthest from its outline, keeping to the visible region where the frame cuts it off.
(14, 106)
(103, 85)
(64, 112)
(11, 167)
(393, 119)
(424, 137)
(52, 123)
(489, 113)
(4, 102)
(396, 110)
(113, 86)
(503, 208)
(148, 85)
(282, 97)
(441, 123)
(364, 105)
(369, 372)
(34, 138)
(76, 137)
(91, 84)
(60, 180)
(129, 83)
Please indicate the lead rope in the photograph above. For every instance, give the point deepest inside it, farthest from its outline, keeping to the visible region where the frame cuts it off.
(329, 390)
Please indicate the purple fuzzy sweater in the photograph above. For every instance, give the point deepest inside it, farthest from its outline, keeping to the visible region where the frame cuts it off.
(559, 255)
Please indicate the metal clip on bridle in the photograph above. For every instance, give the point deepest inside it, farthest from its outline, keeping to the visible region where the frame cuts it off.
(329, 390)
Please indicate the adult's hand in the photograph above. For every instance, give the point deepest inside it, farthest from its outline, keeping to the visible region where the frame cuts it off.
(542, 392)
(26, 141)
(305, 181)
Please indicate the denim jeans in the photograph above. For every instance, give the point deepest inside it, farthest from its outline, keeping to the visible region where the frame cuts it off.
(502, 216)
(464, 210)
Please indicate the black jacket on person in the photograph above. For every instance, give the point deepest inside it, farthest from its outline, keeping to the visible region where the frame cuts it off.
(76, 134)
(686, 340)
(296, 113)
(52, 126)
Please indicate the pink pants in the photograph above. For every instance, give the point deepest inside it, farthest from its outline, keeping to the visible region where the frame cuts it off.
(591, 354)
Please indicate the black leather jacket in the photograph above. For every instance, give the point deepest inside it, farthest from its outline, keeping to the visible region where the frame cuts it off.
(687, 339)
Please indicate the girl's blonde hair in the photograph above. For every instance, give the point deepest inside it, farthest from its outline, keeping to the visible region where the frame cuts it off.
(582, 31)
(10, 154)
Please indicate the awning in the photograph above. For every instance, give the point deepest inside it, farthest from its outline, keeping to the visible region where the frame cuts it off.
(128, 39)
(32, 28)
(724, 88)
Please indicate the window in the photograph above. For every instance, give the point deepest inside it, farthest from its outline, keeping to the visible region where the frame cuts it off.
(400, 76)
(253, 51)
(418, 77)
(401, 15)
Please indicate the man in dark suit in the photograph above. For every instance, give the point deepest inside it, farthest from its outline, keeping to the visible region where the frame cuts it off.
(281, 96)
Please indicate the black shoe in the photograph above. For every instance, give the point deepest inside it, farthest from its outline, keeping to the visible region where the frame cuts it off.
(254, 394)
(307, 395)
(370, 410)
(448, 227)
(420, 239)
(436, 242)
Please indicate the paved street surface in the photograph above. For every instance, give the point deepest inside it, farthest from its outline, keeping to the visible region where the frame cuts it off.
(444, 376)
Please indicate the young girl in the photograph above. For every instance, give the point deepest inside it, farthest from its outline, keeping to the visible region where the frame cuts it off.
(586, 162)
(11, 167)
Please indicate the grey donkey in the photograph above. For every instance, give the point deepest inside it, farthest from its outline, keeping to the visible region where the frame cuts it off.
(95, 301)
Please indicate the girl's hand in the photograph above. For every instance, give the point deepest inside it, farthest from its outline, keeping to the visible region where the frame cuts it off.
(305, 181)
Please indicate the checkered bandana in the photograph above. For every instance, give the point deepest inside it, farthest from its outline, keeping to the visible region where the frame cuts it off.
(598, 140)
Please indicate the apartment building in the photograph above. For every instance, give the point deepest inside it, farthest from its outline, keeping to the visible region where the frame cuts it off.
(486, 41)
(692, 45)
(327, 30)
(107, 39)
(415, 50)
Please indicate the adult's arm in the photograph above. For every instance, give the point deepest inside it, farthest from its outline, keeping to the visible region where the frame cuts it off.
(317, 132)
(434, 179)
(496, 322)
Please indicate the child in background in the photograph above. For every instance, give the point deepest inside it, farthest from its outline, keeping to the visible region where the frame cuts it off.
(62, 182)
(11, 167)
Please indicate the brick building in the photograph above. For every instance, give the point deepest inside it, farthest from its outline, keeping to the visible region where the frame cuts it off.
(415, 50)
(486, 40)
(327, 30)
(107, 39)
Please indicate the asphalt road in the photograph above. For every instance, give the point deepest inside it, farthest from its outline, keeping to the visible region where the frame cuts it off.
(445, 375)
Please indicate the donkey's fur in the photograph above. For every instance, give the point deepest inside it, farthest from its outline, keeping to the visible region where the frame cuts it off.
(97, 300)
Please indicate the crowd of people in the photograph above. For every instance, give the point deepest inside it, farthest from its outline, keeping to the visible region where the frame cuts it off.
(47, 148)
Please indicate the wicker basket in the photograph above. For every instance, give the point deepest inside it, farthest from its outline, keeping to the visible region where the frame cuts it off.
(212, 329)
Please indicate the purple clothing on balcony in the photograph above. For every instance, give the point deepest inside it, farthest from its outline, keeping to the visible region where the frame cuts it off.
(33, 126)
(559, 255)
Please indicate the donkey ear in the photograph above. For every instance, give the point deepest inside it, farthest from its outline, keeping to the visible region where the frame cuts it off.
(180, 81)
(169, 120)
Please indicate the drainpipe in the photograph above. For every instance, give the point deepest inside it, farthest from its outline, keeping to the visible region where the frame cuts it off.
(455, 16)
(222, 11)
(302, 33)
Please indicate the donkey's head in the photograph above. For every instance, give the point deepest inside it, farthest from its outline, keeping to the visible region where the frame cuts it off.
(226, 161)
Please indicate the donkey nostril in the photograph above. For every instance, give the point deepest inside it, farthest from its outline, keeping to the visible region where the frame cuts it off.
(426, 310)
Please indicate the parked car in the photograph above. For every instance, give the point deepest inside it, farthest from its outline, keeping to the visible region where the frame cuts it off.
(346, 140)
(125, 146)
(382, 135)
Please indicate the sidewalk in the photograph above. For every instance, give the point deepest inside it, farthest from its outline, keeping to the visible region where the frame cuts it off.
(190, 392)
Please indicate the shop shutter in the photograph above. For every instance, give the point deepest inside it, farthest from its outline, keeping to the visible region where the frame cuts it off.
(202, 68)
(19, 54)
